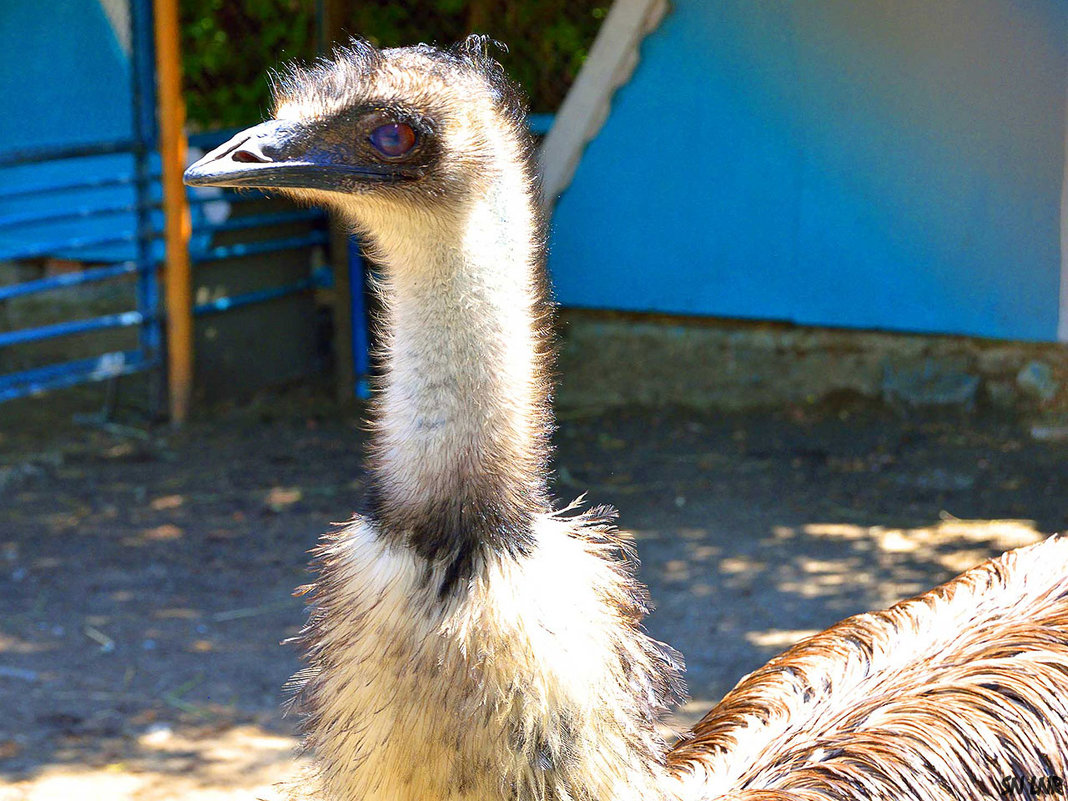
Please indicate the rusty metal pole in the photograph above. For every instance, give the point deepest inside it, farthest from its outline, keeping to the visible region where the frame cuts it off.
(172, 150)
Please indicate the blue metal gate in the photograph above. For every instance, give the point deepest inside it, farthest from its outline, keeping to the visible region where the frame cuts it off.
(90, 197)
(94, 202)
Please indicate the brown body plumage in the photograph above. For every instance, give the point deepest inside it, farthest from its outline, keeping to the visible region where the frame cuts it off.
(939, 697)
(468, 642)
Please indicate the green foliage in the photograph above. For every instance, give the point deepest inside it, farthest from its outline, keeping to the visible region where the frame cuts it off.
(228, 45)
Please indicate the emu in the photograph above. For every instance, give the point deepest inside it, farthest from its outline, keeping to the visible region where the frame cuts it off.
(469, 640)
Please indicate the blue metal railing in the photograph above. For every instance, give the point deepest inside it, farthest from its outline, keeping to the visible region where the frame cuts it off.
(70, 327)
(99, 203)
(117, 179)
(63, 214)
(68, 215)
(57, 376)
(65, 280)
(319, 278)
(34, 155)
(147, 316)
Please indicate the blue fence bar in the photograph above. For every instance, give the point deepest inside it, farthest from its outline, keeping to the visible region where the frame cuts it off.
(319, 278)
(42, 249)
(70, 327)
(143, 92)
(275, 218)
(100, 182)
(361, 332)
(67, 215)
(35, 155)
(87, 276)
(68, 374)
(47, 248)
(94, 274)
(124, 180)
(256, 248)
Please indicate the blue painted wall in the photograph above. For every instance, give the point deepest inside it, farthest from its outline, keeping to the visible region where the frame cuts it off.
(836, 162)
(62, 67)
(63, 75)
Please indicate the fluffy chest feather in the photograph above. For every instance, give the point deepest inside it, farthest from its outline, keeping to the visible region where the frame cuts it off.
(525, 686)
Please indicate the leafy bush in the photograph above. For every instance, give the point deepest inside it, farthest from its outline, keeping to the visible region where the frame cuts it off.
(228, 46)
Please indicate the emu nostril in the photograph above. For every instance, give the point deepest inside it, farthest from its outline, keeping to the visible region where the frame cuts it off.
(249, 157)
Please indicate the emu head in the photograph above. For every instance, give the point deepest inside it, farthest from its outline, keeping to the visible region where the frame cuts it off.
(377, 133)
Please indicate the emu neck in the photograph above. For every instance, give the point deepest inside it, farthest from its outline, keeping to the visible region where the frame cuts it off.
(468, 644)
(459, 439)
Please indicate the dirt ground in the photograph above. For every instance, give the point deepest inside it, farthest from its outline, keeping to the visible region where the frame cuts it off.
(145, 576)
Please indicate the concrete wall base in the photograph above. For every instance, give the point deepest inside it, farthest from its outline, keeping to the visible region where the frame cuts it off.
(611, 358)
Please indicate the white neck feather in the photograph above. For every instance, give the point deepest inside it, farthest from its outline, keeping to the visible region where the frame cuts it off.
(462, 392)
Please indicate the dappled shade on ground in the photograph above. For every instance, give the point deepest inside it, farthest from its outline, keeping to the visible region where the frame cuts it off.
(146, 579)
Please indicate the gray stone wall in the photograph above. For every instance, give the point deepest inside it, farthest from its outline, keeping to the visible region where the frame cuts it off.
(619, 359)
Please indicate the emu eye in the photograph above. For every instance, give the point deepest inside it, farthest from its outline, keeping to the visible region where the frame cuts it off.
(394, 139)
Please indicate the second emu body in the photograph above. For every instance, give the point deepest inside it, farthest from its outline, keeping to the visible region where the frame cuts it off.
(466, 640)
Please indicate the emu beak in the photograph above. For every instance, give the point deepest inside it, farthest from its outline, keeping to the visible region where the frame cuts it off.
(284, 154)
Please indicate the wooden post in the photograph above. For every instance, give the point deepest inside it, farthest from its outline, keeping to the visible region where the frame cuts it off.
(172, 149)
